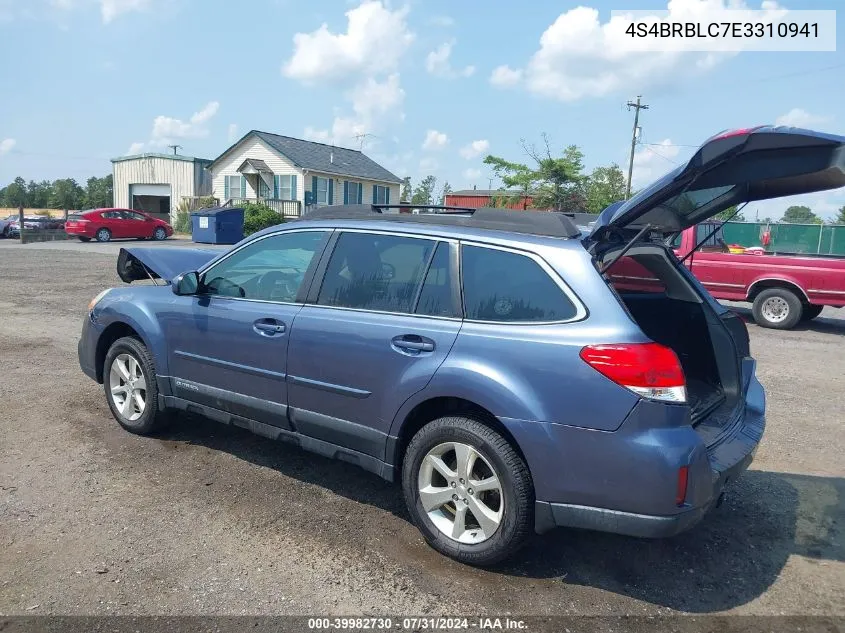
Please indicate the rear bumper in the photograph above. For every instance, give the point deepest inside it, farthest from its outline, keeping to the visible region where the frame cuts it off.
(79, 231)
(633, 493)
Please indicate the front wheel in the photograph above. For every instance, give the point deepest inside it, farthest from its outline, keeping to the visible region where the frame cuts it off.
(129, 380)
(468, 491)
(159, 234)
(777, 308)
(6, 231)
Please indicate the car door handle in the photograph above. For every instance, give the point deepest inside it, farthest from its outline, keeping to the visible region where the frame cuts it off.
(413, 343)
(268, 327)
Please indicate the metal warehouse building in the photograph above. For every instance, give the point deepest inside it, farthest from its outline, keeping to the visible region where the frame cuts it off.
(157, 183)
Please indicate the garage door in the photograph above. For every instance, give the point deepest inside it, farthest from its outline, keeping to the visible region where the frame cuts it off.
(149, 190)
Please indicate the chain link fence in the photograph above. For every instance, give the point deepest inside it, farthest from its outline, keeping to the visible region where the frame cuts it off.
(811, 239)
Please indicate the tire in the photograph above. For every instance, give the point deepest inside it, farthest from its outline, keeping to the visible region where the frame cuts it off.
(6, 231)
(159, 234)
(811, 311)
(84, 239)
(777, 308)
(511, 503)
(130, 354)
(103, 235)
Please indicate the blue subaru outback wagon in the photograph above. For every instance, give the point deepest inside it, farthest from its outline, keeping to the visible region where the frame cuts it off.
(513, 373)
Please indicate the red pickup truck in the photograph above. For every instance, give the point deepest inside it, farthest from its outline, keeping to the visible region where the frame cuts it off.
(783, 289)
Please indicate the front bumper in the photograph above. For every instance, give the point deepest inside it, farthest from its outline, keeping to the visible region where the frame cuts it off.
(625, 482)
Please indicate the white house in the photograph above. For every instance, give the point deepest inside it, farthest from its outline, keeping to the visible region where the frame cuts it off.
(157, 183)
(276, 169)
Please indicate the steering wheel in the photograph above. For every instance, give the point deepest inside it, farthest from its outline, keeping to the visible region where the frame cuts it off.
(225, 288)
(276, 284)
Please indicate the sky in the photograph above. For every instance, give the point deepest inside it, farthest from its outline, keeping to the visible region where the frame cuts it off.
(422, 86)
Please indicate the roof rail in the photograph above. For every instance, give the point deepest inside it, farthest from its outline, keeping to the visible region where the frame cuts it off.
(546, 223)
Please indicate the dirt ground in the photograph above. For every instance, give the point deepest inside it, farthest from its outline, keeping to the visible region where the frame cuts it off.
(211, 520)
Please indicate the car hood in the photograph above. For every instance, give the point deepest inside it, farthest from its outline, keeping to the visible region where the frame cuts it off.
(729, 169)
(160, 263)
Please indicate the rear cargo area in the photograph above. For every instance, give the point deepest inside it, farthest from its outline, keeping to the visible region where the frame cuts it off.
(669, 310)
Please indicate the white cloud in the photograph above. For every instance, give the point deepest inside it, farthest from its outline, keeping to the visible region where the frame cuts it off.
(374, 41)
(135, 148)
(580, 57)
(475, 149)
(435, 140)
(110, 9)
(168, 129)
(374, 105)
(437, 63)
(6, 145)
(797, 117)
(652, 161)
(232, 132)
(505, 76)
(471, 175)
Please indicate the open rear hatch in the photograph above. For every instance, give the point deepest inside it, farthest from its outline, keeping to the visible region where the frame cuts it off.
(663, 298)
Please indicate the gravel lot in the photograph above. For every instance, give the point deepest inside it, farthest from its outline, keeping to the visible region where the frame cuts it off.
(207, 519)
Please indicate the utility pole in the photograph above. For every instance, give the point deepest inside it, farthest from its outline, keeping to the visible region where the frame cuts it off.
(174, 148)
(637, 107)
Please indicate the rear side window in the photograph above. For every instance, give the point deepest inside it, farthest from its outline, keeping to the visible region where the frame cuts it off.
(508, 287)
(370, 271)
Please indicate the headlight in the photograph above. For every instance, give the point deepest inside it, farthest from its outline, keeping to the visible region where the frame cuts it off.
(96, 299)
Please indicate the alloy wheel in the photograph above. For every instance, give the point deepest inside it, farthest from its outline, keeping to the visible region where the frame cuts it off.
(775, 309)
(128, 386)
(461, 492)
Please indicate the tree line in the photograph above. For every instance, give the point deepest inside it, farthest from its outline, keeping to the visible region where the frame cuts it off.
(64, 193)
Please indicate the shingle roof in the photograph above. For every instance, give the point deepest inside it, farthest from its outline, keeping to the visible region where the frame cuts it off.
(257, 164)
(323, 158)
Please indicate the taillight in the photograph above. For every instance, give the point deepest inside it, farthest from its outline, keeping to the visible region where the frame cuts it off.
(650, 370)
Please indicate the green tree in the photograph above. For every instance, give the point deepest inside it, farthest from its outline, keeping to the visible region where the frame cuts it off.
(445, 190)
(67, 194)
(728, 214)
(38, 194)
(15, 195)
(424, 192)
(406, 189)
(99, 192)
(518, 179)
(561, 180)
(604, 186)
(800, 215)
(840, 216)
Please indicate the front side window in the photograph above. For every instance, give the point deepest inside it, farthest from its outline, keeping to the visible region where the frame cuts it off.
(130, 215)
(508, 287)
(269, 269)
(375, 272)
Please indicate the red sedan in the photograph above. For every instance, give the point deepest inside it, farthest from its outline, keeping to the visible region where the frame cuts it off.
(106, 224)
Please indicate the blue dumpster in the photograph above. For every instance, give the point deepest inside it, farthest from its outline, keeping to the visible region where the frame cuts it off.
(220, 225)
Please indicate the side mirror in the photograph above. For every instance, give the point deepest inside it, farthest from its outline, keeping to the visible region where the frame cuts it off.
(185, 284)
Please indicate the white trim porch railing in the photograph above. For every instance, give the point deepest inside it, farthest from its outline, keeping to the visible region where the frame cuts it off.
(287, 208)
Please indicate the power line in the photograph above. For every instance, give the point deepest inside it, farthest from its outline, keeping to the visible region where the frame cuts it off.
(637, 107)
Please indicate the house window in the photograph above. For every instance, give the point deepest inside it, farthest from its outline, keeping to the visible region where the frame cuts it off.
(285, 188)
(352, 192)
(321, 191)
(381, 195)
(234, 187)
(263, 188)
